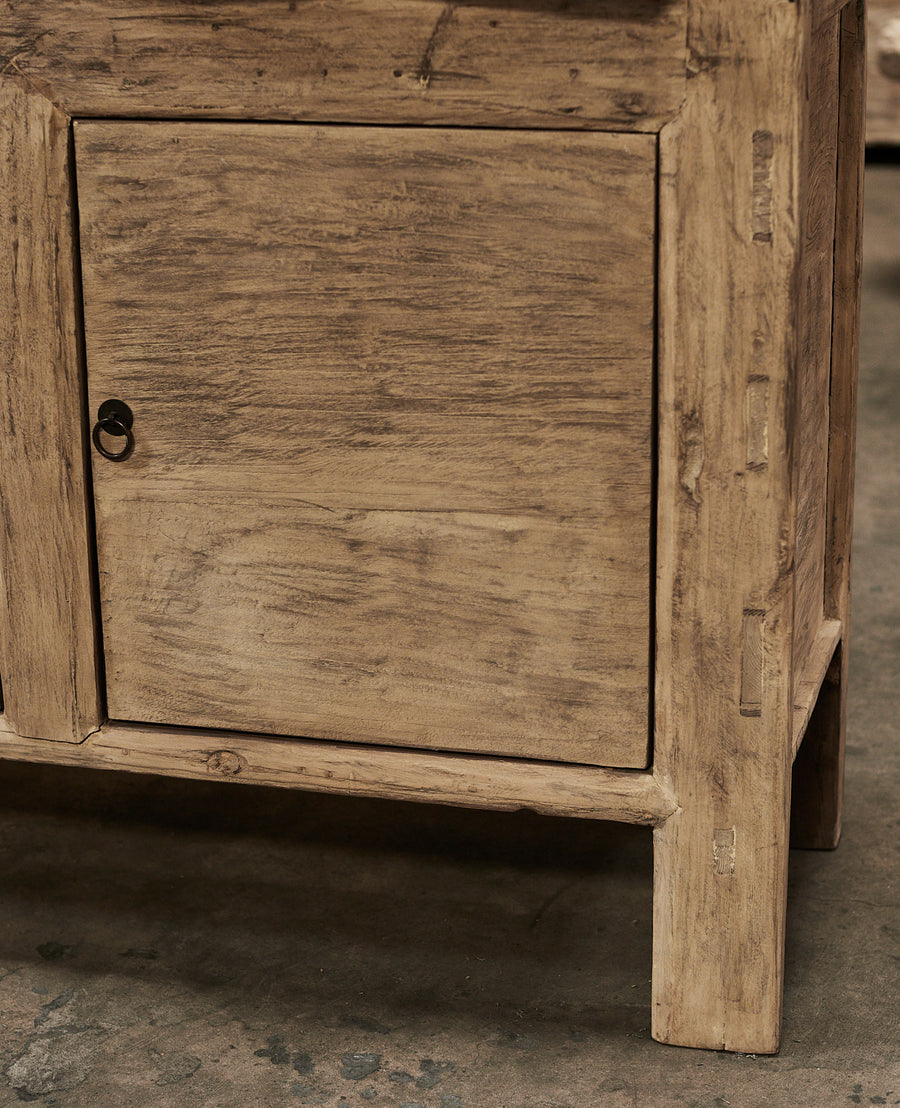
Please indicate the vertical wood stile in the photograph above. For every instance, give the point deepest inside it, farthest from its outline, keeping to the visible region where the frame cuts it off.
(730, 239)
(819, 768)
(48, 655)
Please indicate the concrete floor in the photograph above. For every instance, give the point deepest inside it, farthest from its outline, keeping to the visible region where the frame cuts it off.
(175, 944)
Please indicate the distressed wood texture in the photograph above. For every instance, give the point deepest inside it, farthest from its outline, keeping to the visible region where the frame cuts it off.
(883, 95)
(392, 390)
(818, 176)
(819, 768)
(466, 781)
(393, 402)
(732, 235)
(47, 658)
(825, 11)
(586, 64)
(819, 667)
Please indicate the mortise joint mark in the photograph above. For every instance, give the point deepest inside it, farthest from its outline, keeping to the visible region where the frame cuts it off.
(763, 164)
(752, 662)
(723, 851)
(757, 414)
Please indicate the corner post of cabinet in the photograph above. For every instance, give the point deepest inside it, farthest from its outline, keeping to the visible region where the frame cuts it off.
(730, 241)
(818, 775)
(48, 631)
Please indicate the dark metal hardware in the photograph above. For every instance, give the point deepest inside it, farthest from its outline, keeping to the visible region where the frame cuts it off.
(114, 418)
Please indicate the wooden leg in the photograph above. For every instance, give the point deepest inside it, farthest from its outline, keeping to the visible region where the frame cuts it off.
(818, 786)
(719, 908)
(732, 442)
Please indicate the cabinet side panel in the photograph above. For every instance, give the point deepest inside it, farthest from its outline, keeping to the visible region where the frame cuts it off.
(814, 323)
(48, 660)
(819, 768)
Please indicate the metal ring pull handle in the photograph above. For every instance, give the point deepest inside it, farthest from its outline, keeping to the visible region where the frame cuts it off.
(114, 418)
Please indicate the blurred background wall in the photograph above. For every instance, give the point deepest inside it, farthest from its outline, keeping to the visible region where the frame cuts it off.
(883, 122)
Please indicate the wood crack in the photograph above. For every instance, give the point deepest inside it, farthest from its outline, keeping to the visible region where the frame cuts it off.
(425, 71)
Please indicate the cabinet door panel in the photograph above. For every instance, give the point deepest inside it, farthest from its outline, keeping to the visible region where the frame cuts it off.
(392, 392)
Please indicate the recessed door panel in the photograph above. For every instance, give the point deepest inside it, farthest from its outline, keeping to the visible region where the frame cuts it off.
(392, 399)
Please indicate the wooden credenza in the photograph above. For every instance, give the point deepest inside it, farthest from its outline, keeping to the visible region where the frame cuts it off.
(484, 427)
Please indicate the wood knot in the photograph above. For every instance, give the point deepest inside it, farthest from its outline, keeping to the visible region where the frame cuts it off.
(226, 763)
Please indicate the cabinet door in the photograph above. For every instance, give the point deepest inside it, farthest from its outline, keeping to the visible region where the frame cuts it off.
(392, 398)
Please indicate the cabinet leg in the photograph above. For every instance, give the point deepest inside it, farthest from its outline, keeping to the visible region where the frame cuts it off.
(818, 785)
(718, 931)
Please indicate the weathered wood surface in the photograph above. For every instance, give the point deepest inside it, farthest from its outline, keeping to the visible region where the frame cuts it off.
(807, 686)
(729, 253)
(586, 64)
(392, 397)
(47, 627)
(819, 767)
(883, 95)
(818, 176)
(825, 11)
(629, 796)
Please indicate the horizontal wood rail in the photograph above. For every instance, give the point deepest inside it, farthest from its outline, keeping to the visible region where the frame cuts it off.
(474, 781)
(806, 691)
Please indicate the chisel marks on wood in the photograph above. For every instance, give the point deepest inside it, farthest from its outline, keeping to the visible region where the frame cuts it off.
(757, 422)
(723, 851)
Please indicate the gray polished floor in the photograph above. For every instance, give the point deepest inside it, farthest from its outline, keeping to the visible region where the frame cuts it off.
(171, 944)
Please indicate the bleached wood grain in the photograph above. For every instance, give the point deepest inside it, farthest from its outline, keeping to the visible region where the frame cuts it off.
(629, 796)
(393, 411)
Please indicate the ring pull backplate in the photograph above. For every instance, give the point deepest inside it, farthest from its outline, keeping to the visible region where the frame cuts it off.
(114, 418)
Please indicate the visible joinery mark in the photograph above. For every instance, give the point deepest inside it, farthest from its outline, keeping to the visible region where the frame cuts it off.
(763, 159)
(752, 662)
(723, 851)
(426, 71)
(757, 414)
